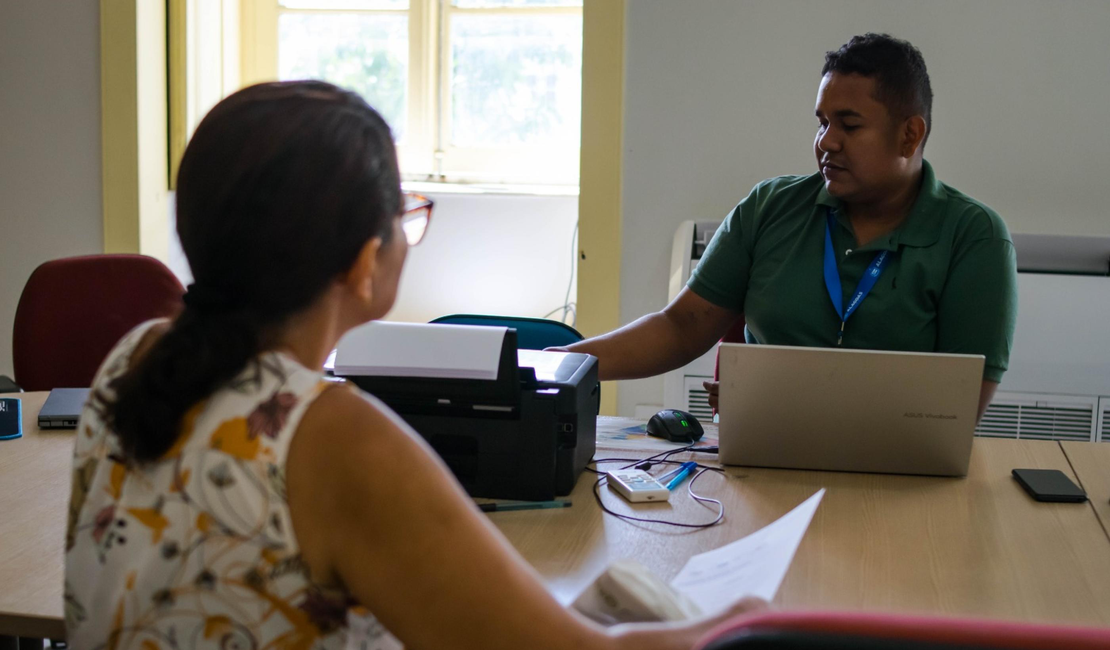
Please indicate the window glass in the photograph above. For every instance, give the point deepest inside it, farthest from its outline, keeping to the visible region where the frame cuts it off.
(515, 79)
(500, 4)
(366, 53)
(345, 4)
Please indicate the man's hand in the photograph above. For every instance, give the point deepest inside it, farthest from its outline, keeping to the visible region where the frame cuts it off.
(713, 388)
(660, 342)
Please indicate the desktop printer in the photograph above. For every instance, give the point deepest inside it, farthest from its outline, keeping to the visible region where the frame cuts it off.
(521, 427)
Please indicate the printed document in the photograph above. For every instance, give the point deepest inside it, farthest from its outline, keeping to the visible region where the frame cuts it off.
(752, 566)
(384, 349)
(626, 591)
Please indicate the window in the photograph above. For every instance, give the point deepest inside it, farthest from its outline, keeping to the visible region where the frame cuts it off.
(203, 65)
(475, 90)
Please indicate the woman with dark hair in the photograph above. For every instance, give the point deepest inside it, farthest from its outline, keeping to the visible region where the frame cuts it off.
(224, 494)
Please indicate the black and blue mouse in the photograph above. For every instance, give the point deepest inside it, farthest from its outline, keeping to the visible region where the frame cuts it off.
(675, 426)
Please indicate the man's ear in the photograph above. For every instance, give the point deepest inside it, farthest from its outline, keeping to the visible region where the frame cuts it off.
(360, 277)
(913, 135)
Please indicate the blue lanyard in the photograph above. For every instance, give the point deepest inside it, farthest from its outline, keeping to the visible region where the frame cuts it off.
(832, 278)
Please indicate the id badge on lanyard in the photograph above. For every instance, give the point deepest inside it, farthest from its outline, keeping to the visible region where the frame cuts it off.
(832, 278)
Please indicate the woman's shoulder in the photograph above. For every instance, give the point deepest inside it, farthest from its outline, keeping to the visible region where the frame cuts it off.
(130, 349)
(121, 358)
(94, 415)
(343, 421)
(341, 410)
(149, 336)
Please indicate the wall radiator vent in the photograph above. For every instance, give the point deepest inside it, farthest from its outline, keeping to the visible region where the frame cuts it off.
(1104, 419)
(1040, 417)
(697, 399)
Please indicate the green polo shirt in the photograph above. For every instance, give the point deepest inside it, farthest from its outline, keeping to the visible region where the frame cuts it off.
(950, 285)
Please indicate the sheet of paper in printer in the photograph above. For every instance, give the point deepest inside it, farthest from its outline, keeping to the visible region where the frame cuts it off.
(709, 582)
(420, 350)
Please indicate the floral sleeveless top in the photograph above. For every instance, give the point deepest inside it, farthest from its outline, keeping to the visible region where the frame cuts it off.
(196, 550)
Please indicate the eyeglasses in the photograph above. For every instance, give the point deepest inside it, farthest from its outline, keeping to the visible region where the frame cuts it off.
(416, 216)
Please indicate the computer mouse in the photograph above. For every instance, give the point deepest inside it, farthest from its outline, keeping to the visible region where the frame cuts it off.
(676, 426)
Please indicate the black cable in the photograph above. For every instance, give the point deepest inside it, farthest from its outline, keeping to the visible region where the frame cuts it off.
(664, 454)
(638, 463)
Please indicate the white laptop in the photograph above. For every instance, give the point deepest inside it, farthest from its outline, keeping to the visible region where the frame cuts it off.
(848, 410)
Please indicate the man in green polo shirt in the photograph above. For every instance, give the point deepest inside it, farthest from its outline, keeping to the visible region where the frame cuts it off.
(790, 257)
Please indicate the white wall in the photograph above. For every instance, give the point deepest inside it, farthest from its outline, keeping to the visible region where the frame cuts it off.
(50, 184)
(483, 254)
(719, 95)
(491, 254)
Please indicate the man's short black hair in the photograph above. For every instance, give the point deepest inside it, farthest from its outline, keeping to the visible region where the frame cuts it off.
(898, 69)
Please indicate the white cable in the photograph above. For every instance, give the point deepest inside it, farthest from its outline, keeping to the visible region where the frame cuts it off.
(569, 307)
(573, 267)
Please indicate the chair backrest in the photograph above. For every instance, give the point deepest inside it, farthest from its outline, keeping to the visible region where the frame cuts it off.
(531, 333)
(863, 631)
(74, 310)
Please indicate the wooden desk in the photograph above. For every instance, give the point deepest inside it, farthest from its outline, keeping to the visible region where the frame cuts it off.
(34, 494)
(1091, 462)
(977, 546)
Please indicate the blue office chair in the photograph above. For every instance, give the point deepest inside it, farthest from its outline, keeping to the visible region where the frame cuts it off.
(531, 333)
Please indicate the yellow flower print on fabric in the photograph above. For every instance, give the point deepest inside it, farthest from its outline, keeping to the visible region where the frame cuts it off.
(152, 519)
(115, 483)
(188, 423)
(234, 439)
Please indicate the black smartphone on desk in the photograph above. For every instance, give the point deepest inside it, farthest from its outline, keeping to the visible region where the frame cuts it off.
(1049, 485)
(11, 418)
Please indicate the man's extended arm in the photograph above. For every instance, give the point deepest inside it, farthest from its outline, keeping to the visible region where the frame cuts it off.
(986, 394)
(661, 341)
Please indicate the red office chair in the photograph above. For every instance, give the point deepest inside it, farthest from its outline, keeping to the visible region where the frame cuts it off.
(74, 310)
(859, 631)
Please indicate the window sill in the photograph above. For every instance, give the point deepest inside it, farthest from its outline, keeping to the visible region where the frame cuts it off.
(426, 187)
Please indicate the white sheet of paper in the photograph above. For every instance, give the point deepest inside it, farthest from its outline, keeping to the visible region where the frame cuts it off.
(752, 566)
(420, 350)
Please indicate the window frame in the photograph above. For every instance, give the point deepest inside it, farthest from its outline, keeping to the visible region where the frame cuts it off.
(426, 154)
(204, 66)
(494, 163)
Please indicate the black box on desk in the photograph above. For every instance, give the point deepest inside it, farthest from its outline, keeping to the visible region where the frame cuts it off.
(526, 435)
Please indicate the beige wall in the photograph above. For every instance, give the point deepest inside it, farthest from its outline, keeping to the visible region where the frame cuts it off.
(50, 191)
(501, 254)
(719, 95)
(491, 254)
